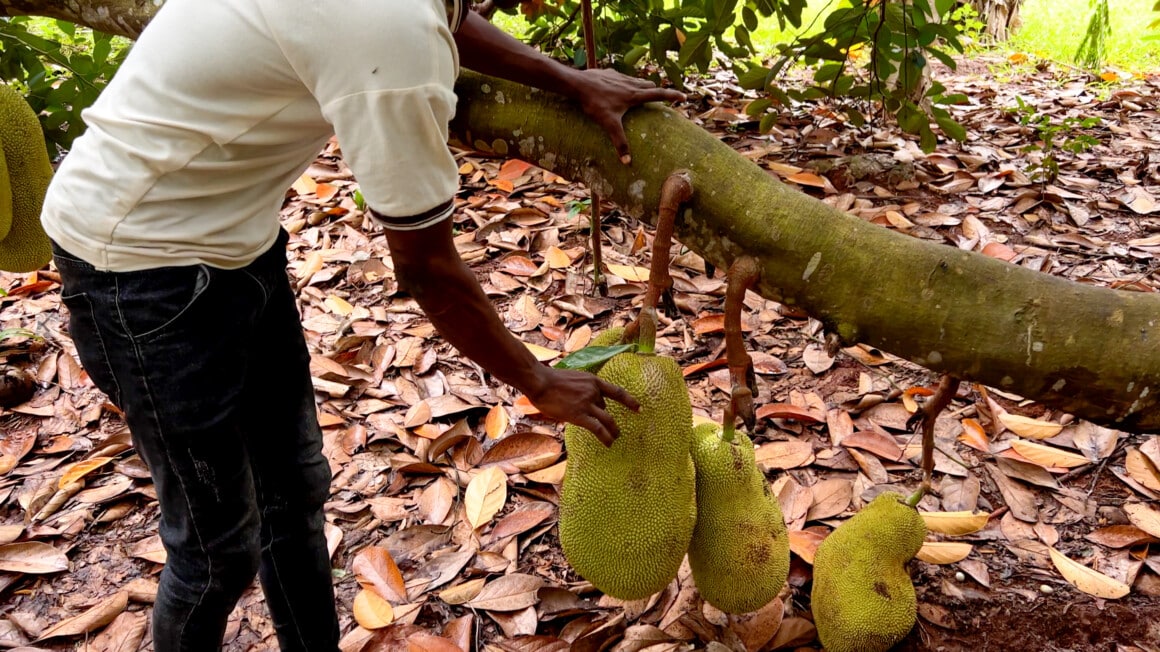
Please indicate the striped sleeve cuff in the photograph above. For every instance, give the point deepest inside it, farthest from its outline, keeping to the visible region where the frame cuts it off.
(456, 13)
(416, 222)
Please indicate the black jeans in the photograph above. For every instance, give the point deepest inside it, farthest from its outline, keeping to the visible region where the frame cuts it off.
(211, 370)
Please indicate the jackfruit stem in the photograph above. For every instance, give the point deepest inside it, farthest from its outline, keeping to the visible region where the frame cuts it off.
(913, 499)
(598, 281)
(647, 331)
(947, 387)
(677, 189)
(728, 429)
(743, 273)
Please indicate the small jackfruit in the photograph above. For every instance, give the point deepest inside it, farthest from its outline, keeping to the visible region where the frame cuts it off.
(25, 247)
(863, 598)
(740, 549)
(627, 511)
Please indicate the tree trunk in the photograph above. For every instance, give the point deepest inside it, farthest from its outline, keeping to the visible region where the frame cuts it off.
(1091, 351)
(1001, 17)
(122, 17)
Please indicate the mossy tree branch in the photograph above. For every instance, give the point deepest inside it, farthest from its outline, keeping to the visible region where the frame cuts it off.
(1091, 351)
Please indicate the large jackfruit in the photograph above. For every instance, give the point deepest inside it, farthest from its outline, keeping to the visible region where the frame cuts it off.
(24, 247)
(740, 549)
(863, 598)
(627, 511)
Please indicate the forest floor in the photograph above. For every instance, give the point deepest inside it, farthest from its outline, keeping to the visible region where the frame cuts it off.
(410, 425)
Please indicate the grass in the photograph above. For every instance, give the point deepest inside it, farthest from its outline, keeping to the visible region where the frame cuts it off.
(1051, 29)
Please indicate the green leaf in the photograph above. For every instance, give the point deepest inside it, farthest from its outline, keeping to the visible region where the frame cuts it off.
(749, 18)
(927, 140)
(767, 122)
(758, 107)
(593, 356)
(17, 332)
(952, 128)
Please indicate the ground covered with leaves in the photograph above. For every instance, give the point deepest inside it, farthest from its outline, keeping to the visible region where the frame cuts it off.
(1044, 530)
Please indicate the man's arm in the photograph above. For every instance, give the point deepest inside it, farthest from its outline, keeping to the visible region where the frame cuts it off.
(605, 95)
(428, 266)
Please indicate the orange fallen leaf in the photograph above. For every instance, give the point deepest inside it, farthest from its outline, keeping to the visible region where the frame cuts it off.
(1029, 428)
(543, 354)
(78, 470)
(789, 411)
(629, 273)
(371, 611)
(497, 422)
(974, 436)
(807, 179)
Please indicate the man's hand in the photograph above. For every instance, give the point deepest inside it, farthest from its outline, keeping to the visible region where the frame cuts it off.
(606, 95)
(578, 397)
(428, 266)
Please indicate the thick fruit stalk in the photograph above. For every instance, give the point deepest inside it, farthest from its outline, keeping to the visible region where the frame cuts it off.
(863, 599)
(740, 549)
(627, 511)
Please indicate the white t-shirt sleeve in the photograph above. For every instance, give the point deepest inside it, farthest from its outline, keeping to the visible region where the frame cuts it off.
(388, 94)
(395, 142)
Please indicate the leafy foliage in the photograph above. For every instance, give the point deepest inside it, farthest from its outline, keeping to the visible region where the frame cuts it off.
(60, 70)
(1093, 48)
(871, 53)
(1067, 134)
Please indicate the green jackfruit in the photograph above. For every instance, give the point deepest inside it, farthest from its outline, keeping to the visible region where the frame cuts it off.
(863, 598)
(5, 194)
(610, 337)
(25, 246)
(740, 549)
(627, 511)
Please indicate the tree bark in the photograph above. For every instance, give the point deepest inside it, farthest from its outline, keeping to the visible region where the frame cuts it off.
(122, 17)
(1001, 17)
(1091, 351)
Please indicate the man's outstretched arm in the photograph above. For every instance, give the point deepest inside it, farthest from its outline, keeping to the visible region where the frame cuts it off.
(605, 95)
(429, 268)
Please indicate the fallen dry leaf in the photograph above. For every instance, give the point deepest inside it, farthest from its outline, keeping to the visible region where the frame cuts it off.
(944, 552)
(1029, 428)
(1048, 456)
(376, 570)
(831, 497)
(1140, 467)
(371, 611)
(78, 470)
(124, 634)
(628, 273)
(1143, 517)
(485, 495)
(955, 523)
(461, 593)
(784, 455)
(508, 593)
(1120, 536)
(496, 423)
(98, 615)
(1087, 580)
(33, 557)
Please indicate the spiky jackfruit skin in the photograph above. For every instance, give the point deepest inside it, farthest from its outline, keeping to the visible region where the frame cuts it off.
(627, 511)
(25, 247)
(863, 598)
(5, 193)
(610, 337)
(740, 549)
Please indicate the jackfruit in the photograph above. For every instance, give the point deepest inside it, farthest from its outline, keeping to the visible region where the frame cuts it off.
(5, 194)
(610, 337)
(25, 247)
(740, 549)
(627, 511)
(863, 598)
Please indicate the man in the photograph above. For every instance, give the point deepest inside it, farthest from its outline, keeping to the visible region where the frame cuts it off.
(164, 222)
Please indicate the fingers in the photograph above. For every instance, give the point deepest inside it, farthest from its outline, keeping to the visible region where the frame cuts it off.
(615, 130)
(655, 94)
(618, 394)
(601, 424)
